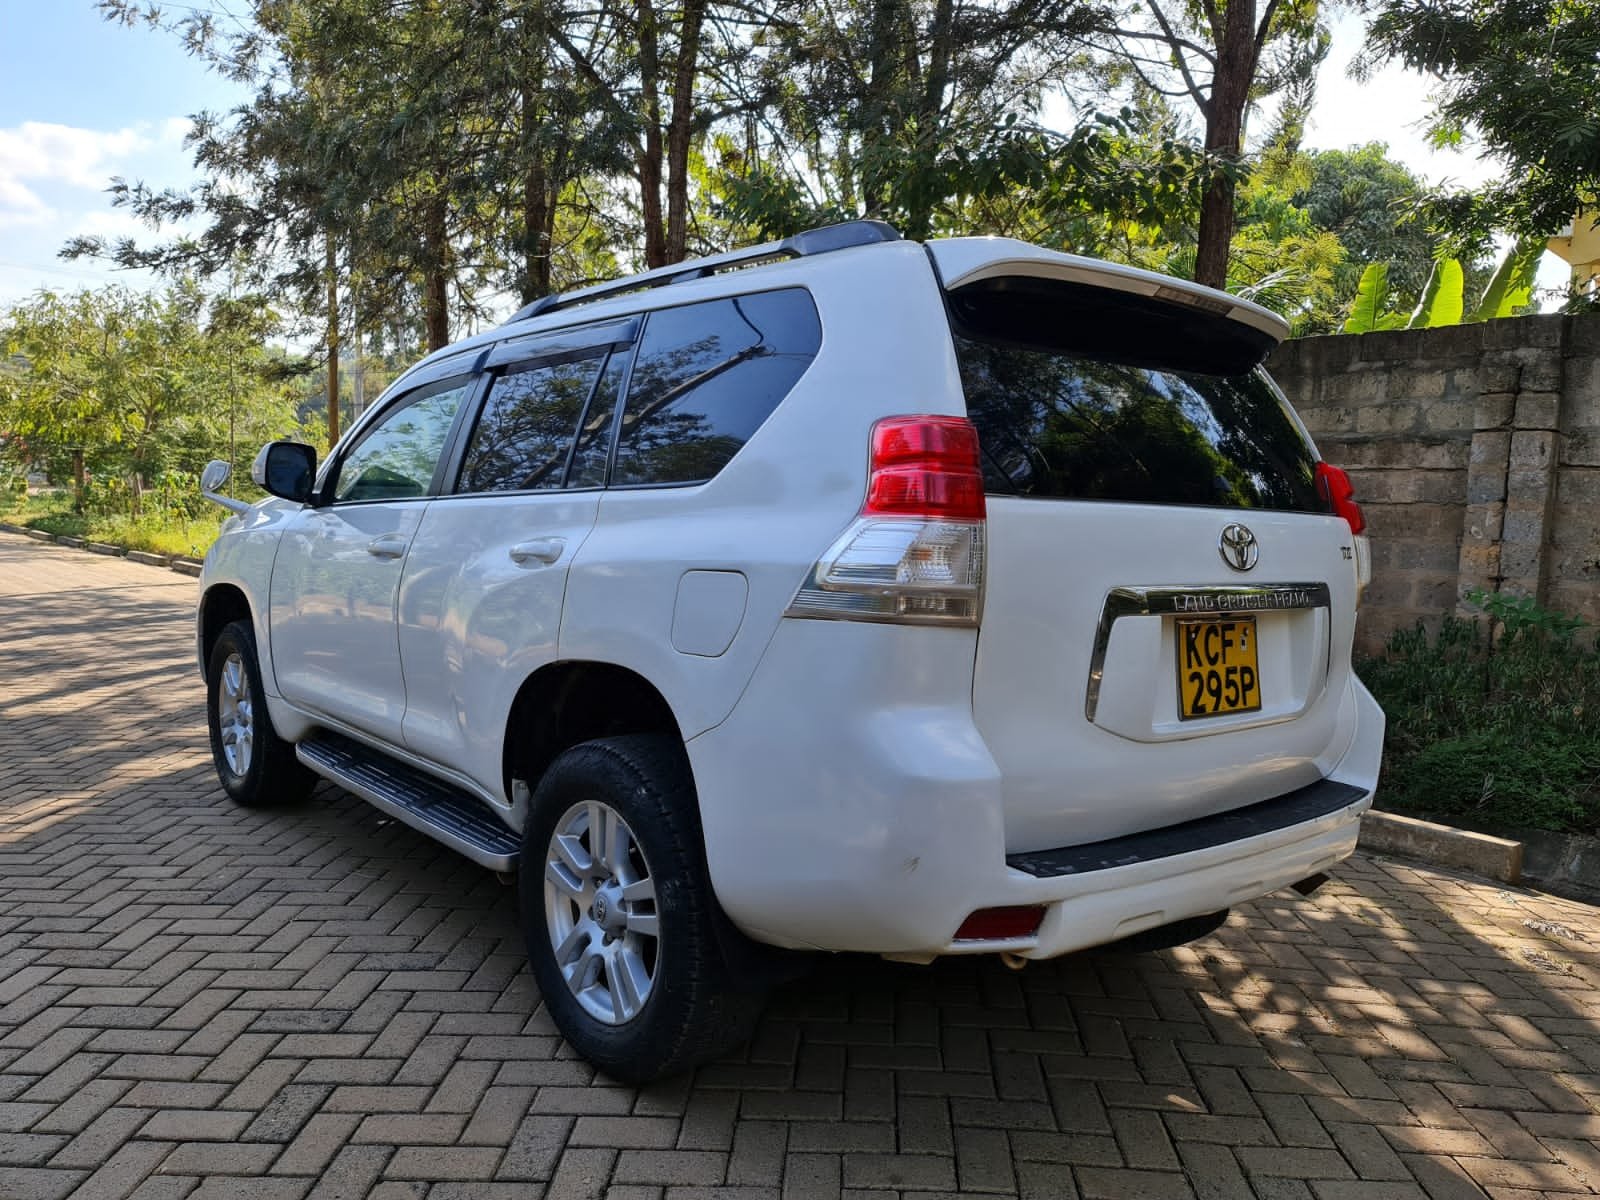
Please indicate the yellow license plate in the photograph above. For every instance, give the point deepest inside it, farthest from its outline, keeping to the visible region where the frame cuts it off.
(1217, 669)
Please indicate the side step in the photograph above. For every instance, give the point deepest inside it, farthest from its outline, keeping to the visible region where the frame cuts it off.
(429, 805)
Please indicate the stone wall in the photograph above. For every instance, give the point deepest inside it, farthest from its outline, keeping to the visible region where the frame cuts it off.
(1475, 452)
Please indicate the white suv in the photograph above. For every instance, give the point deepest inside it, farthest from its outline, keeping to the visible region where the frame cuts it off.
(846, 593)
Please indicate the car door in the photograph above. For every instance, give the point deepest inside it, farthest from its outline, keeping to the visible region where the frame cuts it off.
(336, 578)
(480, 605)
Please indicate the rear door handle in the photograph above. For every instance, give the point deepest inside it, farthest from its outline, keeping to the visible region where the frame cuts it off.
(390, 545)
(545, 550)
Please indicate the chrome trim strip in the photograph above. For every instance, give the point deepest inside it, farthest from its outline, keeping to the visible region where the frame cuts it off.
(1168, 599)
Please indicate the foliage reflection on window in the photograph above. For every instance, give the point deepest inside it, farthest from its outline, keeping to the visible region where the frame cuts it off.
(527, 427)
(397, 457)
(1056, 425)
(706, 377)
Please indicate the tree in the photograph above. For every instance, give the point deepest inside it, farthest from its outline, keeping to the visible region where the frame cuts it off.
(1519, 76)
(137, 384)
(1222, 55)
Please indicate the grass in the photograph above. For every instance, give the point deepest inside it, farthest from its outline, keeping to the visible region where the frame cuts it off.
(1494, 723)
(157, 533)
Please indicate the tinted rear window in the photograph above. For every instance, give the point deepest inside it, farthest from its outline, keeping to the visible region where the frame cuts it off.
(706, 376)
(1084, 421)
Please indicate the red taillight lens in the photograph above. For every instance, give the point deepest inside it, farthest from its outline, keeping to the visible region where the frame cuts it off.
(925, 467)
(1001, 924)
(1333, 485)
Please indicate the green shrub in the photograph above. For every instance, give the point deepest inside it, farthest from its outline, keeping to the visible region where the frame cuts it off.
(1492, 723)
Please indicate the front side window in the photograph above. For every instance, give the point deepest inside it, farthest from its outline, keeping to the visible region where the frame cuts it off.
(397, 457)
(526, 430)
(706, 376)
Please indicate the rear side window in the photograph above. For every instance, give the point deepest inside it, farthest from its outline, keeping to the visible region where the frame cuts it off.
(706, 376)
(1064, 422)
(526, 430)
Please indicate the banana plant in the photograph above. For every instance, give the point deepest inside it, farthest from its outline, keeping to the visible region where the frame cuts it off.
(1509, 291)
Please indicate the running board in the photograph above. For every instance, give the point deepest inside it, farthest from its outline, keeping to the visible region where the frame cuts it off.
(446, 814)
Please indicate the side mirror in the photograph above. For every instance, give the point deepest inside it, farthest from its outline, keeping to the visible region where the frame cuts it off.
(214, 475)
(286, 470)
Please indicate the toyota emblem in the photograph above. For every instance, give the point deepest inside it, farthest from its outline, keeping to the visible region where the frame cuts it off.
(1238, 547)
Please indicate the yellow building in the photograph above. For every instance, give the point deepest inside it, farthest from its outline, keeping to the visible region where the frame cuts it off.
(1578, 245)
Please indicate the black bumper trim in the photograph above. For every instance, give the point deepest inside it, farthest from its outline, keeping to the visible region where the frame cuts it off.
(1268, 816)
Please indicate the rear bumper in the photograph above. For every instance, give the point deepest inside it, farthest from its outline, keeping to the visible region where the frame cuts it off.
(877, 824)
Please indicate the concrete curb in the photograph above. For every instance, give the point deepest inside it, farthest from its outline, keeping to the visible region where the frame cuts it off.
(1492, 857)
(182, 564)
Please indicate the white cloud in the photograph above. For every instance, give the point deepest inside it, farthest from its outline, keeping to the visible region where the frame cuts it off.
(20, 205)
(65, 153)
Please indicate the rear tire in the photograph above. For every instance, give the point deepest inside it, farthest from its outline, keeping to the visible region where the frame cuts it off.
(254, 765)
(620, 920)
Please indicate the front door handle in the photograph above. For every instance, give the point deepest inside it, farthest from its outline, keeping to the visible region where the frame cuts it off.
(545, 550)
(390, 545)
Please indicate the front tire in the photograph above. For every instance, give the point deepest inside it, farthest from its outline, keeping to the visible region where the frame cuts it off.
(617, 909)
(254, 765)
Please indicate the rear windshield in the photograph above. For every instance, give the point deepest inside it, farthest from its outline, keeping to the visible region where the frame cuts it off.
(1066, 424)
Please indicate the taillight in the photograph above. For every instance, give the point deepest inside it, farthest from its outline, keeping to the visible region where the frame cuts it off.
(925, 467)
(1334, 486)
(915, 552)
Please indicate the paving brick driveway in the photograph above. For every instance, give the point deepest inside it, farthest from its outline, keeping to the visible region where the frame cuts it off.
(200, 1001)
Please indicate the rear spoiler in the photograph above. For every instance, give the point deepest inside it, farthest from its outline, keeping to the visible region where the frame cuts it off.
(965, 261)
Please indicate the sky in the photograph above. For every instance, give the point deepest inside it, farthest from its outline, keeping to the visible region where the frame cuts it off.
(82, 100)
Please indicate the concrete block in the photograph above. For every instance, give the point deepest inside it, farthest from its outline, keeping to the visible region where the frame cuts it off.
(1494, 411)
(1583, 335)
(1532, 448)
(1498, 377)
(152, 560)
(1580, 449)
(1447, 415)
(1538, 410)
(105, 548)
(39, 535)
(1486, 485)
(1442, 845)
(1416, 384)
(1356, 388)
(76, 543)
(1394, 417)
(1484, 523)
(185, 567)
(1490, 446)
(1524, 333)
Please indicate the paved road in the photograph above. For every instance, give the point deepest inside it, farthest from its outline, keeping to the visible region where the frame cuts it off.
(198, 1001)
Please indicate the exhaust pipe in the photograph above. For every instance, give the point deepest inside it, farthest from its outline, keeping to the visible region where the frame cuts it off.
(1015, 961)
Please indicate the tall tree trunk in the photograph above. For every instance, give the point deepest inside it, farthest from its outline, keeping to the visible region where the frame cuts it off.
(877, 125)
(1230, 93)
(678, 132)
(655, 243)
(333, 342)
(80, 479)
(436, 273)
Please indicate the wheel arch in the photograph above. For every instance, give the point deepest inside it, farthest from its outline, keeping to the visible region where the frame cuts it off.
(568, 702)
(222, 604)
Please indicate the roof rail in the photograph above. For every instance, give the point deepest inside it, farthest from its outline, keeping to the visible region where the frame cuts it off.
(813, 241)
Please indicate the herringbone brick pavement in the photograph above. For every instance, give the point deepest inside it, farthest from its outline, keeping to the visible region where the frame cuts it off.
(199, 1001)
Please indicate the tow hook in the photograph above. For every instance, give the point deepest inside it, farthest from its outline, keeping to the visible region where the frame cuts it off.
(1015, 961)
(1310, 883)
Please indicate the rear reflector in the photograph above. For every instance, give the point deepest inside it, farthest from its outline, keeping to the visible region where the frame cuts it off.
(1001, 924)
(1334, 486)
